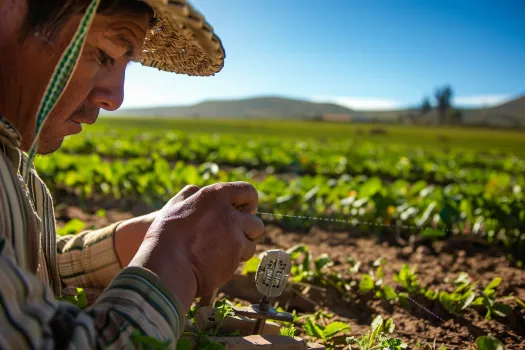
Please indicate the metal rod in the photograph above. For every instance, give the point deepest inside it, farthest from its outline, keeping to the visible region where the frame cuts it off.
(264, 306)
(259, 326)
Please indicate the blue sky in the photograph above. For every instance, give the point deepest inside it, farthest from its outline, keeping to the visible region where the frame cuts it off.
(366, 54)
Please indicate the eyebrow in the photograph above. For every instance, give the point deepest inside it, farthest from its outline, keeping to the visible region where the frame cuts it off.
(121, 40)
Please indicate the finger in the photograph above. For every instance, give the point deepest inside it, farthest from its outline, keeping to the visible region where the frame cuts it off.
(248, 251)
(247, 209)
(242, 195)
(185, 193)
(253, 226)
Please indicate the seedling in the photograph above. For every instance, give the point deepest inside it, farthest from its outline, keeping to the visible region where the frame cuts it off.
(461, 298)
(408, 279)
(488, 299)
(378, 337)
(326, 333)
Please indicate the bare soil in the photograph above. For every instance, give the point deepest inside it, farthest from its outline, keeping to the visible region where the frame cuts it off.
(424, 321)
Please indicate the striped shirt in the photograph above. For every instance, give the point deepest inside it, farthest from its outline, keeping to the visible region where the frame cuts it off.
(36, 266)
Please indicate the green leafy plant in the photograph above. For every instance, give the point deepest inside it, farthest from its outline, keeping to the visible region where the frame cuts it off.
(251, 265)
(353, 265)
(315, 271)
(489, 342)
(408, 279)
(287, 331)
(144, 342)
(378, 337)
(80, 299)
(428, 346)
(223, 310)
(488, 300)
(325, 333)
(72, 227)
(456, 302)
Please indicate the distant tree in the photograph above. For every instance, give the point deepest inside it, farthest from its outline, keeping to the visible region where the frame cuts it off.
(425, 106)
(443, 103)
(454, 116)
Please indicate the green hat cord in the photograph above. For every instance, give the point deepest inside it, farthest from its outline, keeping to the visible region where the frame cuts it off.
(61, 77)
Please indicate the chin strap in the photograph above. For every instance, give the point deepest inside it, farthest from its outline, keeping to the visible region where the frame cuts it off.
(61, 77)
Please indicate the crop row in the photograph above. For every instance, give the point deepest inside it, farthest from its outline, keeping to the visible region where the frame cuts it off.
(312, 157)
(495, 210)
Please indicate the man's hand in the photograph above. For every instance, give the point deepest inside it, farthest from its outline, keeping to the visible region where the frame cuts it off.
(195, 245)
(130, 233)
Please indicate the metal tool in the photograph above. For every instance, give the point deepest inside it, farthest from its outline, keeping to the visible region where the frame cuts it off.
(271, 279)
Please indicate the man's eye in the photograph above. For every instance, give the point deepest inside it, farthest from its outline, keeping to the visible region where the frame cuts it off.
(105, 59)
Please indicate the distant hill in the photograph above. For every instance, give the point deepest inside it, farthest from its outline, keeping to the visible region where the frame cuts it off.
(261, 107)
(509, 114)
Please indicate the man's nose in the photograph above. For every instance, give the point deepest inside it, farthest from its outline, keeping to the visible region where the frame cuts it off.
(108, 93)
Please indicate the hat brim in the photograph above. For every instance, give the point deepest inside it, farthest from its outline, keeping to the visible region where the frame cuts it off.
(181, 41)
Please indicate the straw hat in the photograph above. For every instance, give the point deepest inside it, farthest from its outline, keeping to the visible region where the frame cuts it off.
(181, 41)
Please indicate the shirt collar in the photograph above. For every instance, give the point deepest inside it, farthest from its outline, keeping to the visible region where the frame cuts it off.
(10, 141)
(9, 136)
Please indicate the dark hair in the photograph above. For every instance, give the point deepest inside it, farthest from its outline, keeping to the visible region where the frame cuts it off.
(47, 16)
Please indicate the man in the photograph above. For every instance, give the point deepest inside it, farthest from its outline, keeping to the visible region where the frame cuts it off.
(151, 267)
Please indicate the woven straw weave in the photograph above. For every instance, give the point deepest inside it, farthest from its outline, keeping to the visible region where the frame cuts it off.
(181, 41)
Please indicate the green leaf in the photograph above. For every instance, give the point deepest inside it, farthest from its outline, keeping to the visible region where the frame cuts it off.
(354, 266)
(478, 301)
(432, 233)
(489, 342)
(147, 342)
(366, 284)
(392, 344)
(310, 194)
(323, 261)
(389, 326)
(334, 328)
(377, 322)
(370, 188)
(431, 294)
(379, 272)
(224, 309)
(184, 344)
(287, 331)
(426, 214)
(72, 227)
(501, 310)
(312, 329)
(81, 298)
(101, 213)
(377, 327)
(495, 282)
(251, 265)
(462, 278)
(379, 262)
(390, 293)
(520, 303)
(467, 300)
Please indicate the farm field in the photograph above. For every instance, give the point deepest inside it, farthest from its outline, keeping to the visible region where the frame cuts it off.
(421, 225)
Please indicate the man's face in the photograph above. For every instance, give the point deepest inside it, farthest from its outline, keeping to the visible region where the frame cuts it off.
(98, 81)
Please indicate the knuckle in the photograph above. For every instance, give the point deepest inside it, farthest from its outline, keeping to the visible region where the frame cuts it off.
(212, 190)
(192, 188)
(246, 186)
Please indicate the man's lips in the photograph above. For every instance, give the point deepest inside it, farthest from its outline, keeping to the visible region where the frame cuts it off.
(85, 119)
